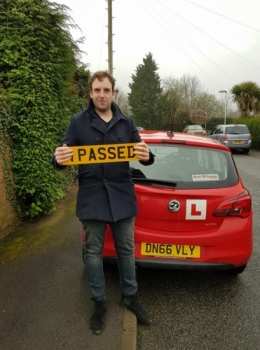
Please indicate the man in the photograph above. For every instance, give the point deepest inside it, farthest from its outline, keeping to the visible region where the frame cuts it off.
(106, 194)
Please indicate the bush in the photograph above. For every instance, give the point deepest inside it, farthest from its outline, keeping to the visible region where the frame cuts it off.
(37, 61)
(253, 124)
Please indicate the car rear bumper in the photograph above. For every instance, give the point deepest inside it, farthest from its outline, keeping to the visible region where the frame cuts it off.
(238, 146)
(177, 265)
(229, 246)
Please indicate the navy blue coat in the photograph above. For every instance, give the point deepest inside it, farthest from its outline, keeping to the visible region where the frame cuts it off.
(106, 191)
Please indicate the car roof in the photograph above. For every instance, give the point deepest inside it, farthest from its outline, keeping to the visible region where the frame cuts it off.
(157, 136)
(231, 125)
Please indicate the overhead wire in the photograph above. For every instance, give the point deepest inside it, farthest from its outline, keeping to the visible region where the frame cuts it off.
(209, 36)
(81, 12)
(180, 47)
(219, 14)
(193, 44)
(186, 53)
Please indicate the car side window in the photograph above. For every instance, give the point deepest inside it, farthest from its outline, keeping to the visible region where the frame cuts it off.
(219, 130)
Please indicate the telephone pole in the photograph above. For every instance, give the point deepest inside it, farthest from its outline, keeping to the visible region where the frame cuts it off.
(110, 37)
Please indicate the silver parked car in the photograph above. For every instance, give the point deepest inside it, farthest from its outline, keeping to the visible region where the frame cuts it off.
(234, 136)
(195, 130)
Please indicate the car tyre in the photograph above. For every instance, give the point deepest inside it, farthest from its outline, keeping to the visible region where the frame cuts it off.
(245, 151)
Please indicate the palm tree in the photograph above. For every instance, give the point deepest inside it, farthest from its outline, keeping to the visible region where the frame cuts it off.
(246, 95)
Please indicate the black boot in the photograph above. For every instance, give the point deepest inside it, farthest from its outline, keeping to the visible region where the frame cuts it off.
(97, 320)
(131, 302)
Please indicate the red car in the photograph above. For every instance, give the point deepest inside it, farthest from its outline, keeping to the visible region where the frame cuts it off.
(194, 211)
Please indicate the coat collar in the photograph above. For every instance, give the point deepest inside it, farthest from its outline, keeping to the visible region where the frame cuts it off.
(97, 123)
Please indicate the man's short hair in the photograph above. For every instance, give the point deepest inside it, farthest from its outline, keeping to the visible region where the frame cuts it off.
(100, 75)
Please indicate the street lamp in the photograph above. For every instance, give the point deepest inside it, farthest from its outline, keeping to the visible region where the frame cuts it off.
(225, 116)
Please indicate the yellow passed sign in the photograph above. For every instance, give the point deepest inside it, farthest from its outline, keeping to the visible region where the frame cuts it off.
(102, 154)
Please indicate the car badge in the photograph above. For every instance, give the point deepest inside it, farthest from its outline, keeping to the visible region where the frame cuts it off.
(174, 205)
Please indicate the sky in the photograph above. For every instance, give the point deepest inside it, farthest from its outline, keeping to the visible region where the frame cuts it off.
(218, 41)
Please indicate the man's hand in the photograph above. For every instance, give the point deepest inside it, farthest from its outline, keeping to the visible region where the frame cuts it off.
(141, 150)
(62, 154)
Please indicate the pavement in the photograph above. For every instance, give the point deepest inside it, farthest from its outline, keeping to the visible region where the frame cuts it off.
(254, 153)
(44, 299)
(129, 333)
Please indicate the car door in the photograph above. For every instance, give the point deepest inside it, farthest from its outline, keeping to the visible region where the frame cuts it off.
(217, 133)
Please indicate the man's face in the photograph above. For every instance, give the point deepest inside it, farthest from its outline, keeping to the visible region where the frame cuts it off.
(102, 94)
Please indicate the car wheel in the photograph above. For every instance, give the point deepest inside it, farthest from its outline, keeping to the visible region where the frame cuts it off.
(235, 271)
(245, 151)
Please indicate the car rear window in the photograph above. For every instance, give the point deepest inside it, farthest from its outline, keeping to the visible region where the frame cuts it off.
(188, 167)
(238, 129)
(196, 127)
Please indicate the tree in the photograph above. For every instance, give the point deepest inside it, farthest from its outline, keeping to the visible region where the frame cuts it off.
(171, 100)
(246, 95)
(191, 90)
(198, 116)
(210, 104)
(38, 58)
(145, 96)
(122, 101)
(79, 89)
(187, 94)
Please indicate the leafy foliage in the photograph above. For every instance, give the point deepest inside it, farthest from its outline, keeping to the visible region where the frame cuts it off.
(6, 146)
(145, 96)
(79, 89)
(199, 116)
(186, 94)
(247, 97)
(122, 101)
(38, 58)
(253, 125)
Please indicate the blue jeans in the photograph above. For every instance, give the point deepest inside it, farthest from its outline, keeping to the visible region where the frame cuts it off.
(123, 234)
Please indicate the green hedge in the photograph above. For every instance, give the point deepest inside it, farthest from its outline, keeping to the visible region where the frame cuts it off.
(38, 58)
(253, 124)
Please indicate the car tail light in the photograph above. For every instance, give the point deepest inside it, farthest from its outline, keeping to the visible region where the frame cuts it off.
(224, 137)
(236, 206)
(250, 137)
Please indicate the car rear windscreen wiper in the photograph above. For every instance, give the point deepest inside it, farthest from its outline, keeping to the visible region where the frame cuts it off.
(164, 183)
